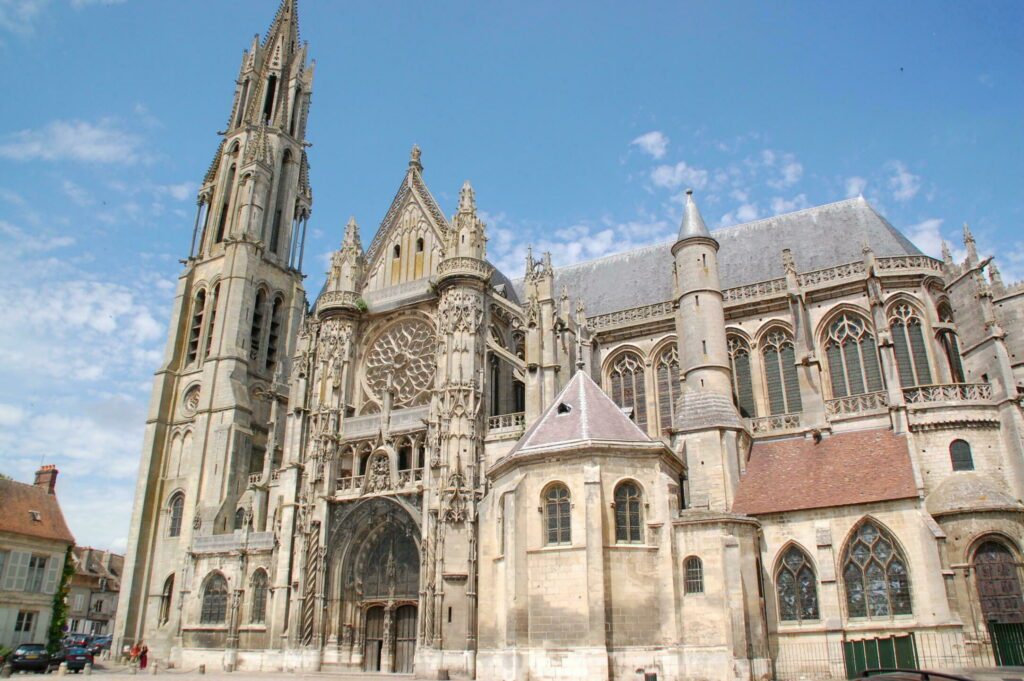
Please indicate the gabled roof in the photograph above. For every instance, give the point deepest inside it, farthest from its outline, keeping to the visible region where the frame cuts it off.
(842, 470)
(819, 237)
(21, 504)
(581, 414)
(412, 184)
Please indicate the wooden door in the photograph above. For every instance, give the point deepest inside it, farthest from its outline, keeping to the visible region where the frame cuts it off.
(405, 639)
(374, 639)
(998, 584)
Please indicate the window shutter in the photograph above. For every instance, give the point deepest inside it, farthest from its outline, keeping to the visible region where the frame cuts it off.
(17, 571)
(53, 567)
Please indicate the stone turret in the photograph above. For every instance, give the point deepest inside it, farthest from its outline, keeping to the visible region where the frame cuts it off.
(344, 279)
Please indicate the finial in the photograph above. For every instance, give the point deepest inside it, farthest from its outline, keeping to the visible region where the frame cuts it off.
(865, 247)
(972, 249)
(947, 255)
(788, 264)
(692, 224)
(467, 199)
(994, 276)
(547, 261)
(414, 158)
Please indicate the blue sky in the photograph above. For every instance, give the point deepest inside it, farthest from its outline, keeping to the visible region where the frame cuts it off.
(579, 124)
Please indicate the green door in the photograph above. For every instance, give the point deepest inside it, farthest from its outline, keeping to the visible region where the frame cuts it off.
(879, 653)
(1007, 643)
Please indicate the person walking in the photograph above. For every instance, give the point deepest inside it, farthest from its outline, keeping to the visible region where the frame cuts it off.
(143, 655)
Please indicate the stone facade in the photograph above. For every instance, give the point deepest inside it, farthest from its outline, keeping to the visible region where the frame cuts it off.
(794, 442)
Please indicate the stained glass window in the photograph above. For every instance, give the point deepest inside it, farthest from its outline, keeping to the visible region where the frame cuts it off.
(797, 587)
(875, 574)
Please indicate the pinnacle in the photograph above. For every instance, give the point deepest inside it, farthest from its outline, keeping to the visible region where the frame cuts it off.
(467, 199)
(692, 224)
(414, 158)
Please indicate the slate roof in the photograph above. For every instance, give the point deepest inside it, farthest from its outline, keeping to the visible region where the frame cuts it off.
(842, 470)
(581, 414)
(17, 499)
(819, 237)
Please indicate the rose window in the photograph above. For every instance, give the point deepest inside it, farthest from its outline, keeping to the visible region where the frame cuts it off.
(405, 353)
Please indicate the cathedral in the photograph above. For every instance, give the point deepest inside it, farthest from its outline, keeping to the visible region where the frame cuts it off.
(786, 449)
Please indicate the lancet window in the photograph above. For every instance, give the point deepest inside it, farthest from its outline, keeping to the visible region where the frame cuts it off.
(256, 329)
(908, 342)
(210, 327)
(628, 387)
(693, 575)
(780, 374)
(960, 455)
(177, 511)
(258, 586)
(275, 332)
(950, 344)
(875, 574)
(666, 368)
(797, 586)
(196, 326)
(742, 385)
(852, 357)
(165, 600)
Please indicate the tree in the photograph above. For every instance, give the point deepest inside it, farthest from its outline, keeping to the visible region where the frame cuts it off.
(60, 605)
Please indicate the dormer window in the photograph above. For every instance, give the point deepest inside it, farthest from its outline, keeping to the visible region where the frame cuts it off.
(563, 408)
(36, 516)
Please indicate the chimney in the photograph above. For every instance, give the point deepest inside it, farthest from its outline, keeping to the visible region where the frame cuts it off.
(46, 477)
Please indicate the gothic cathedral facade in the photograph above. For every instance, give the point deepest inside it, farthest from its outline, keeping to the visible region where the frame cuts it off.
(739, 455)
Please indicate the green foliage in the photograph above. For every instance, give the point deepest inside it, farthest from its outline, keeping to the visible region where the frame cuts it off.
(5, 652)
(361, 305)
(60, 605)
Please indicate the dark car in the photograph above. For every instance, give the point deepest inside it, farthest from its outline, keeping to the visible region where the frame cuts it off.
(30, 657)
(100, 644)
(78, 640)
(77, 658)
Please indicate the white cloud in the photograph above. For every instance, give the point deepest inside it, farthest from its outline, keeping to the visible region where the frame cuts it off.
(855, 186)
(653, 143)
(781, 205)
(11, 415)
(675, 176)
(101, 142)
(20, 16)
(79, 4)
(927, 236)
(903, 184)
(77, 194)
(746, 212)
(21, 242)
(179, 192)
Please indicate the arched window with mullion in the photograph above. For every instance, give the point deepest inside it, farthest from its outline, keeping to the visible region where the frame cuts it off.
(950, 345)
(196, 326)
(781, 379)
(742, 383)
(258, 586)
(628, 515)
(627, 386)
(667, 373)
(875, 574)
(852, 355)
(797, 587)
(557, 515)
(909, 346)
(176, 509)
(214, 608)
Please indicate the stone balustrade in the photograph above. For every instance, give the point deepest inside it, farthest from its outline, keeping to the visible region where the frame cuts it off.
(352, 486)
(236, 541)
(750, 292)
(464, 265)
(630, 316)
(829, 275)
(506, 421)
(775, 423)
(854, 405)
(951, 392)
(337, 299)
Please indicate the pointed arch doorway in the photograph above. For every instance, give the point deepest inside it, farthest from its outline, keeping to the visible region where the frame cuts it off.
(376, 570)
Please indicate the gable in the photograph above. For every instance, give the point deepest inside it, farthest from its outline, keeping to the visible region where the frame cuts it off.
(410, 240)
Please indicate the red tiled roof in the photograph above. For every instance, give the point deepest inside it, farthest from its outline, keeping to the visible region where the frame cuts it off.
(17, 499)
(841, 470)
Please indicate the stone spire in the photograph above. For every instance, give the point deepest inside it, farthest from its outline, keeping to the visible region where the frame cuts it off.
(970, 245)
(467, 199)
(692, 224)
(947, 255)
(284, 29)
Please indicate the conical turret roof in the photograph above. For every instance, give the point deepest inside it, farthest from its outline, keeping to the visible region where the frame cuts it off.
(692, 224)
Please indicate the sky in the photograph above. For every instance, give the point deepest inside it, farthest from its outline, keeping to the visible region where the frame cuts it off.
(579, 124)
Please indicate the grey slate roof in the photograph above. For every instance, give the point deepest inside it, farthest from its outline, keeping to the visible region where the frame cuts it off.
(819, 237)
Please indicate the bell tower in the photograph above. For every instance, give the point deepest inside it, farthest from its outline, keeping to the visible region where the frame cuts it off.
(214, 434)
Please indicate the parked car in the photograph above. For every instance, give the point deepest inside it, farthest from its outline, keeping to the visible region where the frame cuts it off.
(99, 644)
(78, 640)
(76, 658)
(30, 657)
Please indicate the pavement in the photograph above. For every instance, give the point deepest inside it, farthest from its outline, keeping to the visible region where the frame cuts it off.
(108, 669)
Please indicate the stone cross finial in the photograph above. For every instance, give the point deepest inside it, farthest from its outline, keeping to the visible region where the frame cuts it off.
(414, 158)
